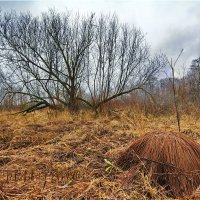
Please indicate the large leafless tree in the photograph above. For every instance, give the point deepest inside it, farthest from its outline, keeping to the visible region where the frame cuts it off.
(53, 58)
(118, 62)
(44, 55)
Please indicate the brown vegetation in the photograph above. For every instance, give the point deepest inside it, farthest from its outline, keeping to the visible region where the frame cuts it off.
(52, 155)
(170, 159)
(78, 64)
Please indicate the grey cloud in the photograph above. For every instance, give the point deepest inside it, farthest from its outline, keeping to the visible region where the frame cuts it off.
(16, 5)
(186, 38)
(185, 35)
(168, 25)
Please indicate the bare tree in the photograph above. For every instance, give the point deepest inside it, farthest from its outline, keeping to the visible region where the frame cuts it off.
(175, 96)
(118, 62)
(53, 58)
(193, 79)
(44, 55)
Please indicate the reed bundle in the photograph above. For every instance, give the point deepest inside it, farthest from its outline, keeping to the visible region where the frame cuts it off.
(171, 160)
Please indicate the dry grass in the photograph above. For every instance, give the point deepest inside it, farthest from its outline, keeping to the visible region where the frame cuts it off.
(50, 155)
(169, 159)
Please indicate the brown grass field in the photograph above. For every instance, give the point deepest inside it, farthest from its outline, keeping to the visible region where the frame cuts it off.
(57, 155)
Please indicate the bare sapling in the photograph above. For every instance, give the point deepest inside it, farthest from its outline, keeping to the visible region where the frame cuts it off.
(175, 95)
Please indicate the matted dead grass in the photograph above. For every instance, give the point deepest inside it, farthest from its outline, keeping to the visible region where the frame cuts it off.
(170, 159)
(49, 155)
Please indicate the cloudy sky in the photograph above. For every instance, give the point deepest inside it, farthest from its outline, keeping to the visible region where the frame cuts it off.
(169, 25)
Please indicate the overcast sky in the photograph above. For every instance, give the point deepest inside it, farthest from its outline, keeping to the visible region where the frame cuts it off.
(169, 25)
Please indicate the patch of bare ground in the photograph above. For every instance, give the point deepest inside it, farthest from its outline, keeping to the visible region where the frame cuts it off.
(61, 156)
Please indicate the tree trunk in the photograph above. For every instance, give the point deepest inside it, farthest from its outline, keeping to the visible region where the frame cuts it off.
(73, 106)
